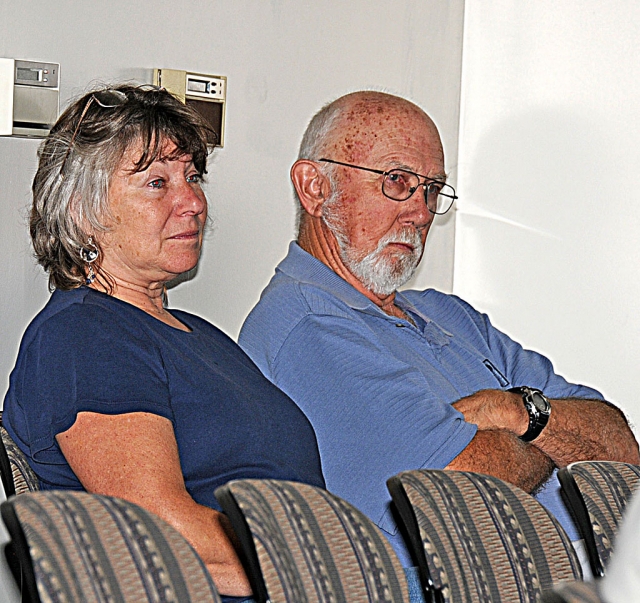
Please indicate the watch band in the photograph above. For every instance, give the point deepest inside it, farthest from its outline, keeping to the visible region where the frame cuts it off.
(537, 407)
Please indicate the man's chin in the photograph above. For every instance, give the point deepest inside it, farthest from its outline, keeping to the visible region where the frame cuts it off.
(401, 263)
(391, 280)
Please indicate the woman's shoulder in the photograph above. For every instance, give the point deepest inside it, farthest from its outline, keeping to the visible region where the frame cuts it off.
(80, 314)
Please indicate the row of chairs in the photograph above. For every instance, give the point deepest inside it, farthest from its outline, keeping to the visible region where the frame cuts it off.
(474, 537)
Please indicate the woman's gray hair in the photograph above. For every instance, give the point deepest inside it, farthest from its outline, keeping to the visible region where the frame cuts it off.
(79, 157)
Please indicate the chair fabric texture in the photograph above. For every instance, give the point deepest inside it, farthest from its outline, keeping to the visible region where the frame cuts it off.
(573, 592)
(310, 546)
(94, 549)
(17, 475)
(598, 493)
(478, 538)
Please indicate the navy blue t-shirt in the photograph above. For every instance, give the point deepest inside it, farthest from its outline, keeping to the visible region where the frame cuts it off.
(87, 351)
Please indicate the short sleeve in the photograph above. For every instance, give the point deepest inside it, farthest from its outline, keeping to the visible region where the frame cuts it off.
(85, 358)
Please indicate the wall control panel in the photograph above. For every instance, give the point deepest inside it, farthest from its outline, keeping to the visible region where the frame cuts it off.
(207, 94)
(29, 97)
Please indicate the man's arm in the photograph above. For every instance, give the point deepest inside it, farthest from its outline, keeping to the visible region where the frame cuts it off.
(585, 430)
(500, 453)
(577, 430)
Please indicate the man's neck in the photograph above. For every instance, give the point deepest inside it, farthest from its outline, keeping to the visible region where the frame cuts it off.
(317, 240)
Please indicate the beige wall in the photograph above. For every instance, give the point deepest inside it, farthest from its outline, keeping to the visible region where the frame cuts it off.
(284, 60)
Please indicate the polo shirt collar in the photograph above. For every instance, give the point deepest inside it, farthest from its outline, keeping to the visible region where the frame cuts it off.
(303, 267)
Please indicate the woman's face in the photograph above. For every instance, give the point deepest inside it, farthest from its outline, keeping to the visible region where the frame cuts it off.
(158, 219)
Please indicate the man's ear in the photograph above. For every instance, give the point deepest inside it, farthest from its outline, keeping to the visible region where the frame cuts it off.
(312, 186)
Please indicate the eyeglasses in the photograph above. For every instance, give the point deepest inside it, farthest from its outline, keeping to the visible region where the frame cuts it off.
(399, 185)
(108, 99)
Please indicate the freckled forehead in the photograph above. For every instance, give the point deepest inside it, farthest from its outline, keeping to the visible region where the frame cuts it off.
(373, 127)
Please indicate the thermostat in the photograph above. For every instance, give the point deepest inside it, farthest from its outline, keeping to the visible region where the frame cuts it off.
(29, 97)
(207, 94)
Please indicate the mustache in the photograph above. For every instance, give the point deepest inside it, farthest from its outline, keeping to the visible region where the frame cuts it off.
(407, 236)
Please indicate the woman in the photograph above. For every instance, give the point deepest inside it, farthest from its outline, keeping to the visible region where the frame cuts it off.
(113, 392)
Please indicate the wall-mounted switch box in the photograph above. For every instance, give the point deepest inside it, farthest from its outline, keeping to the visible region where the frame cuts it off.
(207, 94)
(29, 97)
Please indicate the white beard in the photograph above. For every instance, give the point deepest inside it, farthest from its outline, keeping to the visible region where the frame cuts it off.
(379, 272)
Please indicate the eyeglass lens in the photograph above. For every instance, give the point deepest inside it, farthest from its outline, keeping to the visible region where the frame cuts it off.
(399, 185)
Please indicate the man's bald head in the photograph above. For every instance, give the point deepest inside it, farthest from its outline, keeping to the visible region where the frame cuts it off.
(349, 127)
(353, 119)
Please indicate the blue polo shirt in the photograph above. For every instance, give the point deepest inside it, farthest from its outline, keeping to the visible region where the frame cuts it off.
(378, 389)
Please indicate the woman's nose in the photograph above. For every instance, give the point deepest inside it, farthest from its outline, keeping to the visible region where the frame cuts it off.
(190, 198)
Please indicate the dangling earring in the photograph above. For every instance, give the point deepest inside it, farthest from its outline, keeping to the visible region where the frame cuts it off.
(89, 253)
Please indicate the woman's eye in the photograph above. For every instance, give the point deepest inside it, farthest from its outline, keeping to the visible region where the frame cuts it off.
(157, 183)
(194, 178)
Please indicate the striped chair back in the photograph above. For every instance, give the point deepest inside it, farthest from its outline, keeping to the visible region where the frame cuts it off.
(302, 544)
(75, 546)
(478, 538)
(598, 493)
(17, 475)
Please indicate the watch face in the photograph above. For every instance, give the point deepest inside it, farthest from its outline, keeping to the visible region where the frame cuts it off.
(540, 402)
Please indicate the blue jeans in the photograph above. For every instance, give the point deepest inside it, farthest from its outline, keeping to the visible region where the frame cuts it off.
(416, 592)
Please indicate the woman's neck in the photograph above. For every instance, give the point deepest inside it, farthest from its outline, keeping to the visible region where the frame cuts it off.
(149, 299)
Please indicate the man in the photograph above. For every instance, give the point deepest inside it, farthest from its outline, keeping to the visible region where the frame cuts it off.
(394, 381)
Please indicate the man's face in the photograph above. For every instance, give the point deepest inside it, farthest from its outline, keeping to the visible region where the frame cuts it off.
(380, 240)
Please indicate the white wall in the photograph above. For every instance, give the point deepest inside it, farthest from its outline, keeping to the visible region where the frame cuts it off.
(284, 60)
(549, 211)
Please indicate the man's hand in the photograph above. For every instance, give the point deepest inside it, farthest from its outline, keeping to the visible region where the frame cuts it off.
(499, 453)
(497, 448)
(495, 409)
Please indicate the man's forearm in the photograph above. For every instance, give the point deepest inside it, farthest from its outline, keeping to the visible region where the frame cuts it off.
(500, 453)
(582, 430)
(577, 430)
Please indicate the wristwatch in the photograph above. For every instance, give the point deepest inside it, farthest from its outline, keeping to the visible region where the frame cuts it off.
(538, 408)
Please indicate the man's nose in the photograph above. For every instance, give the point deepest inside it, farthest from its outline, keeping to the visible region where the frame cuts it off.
(415, 210)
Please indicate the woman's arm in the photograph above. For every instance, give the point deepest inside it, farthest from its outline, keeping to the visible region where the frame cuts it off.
(135, 456)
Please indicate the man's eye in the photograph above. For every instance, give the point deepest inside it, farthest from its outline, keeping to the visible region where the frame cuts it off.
(402, 178)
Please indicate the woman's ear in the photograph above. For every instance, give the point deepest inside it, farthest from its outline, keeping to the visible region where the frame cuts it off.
(312, 186)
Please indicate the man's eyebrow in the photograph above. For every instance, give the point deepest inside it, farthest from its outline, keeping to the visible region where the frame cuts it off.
(440, 176)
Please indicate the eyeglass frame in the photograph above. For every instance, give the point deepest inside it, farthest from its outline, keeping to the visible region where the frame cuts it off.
(427, 180)
(123, 98)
